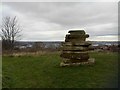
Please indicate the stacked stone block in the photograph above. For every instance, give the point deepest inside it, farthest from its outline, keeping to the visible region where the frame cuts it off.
(75, 49)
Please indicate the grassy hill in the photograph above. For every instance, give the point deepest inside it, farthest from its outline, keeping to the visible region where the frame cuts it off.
(44, 72)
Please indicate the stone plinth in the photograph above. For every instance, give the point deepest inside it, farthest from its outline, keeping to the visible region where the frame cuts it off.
(75, 49)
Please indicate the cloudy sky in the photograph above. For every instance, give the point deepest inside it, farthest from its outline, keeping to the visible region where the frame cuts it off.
(51, 21)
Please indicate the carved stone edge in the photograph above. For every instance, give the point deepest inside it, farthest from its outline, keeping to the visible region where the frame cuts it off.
(90, 61)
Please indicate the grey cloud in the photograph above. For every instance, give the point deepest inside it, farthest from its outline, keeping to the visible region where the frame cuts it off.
(94, 17)
(70, 13)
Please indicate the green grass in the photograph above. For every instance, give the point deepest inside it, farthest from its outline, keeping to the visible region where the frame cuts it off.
(45, 72)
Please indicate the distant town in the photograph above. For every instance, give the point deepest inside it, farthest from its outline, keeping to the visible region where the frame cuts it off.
(33, 46)
(56, 45)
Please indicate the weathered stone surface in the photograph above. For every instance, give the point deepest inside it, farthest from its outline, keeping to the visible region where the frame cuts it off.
(90, 61)
(75, 48)
(76, 43)
(75, 56)
(75, 52)
(68, 36)
(75, 40)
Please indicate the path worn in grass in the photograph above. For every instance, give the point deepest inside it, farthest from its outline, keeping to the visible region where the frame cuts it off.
(45, 72)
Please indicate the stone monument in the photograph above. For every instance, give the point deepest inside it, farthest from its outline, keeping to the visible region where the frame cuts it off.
(75, 49)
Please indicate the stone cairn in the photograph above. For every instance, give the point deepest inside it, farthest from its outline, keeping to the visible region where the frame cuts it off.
(75, 49)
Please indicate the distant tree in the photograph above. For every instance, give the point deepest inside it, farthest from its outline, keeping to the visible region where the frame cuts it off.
(10, 32)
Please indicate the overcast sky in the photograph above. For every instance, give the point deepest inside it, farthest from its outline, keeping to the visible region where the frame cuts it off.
(51, 21)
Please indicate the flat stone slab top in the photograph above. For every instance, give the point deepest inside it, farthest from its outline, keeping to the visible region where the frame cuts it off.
(77, 32)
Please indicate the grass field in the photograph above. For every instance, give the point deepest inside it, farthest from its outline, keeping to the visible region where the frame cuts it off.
(44, 72)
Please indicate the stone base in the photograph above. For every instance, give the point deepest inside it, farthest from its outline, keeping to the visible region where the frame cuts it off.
(90, 61)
